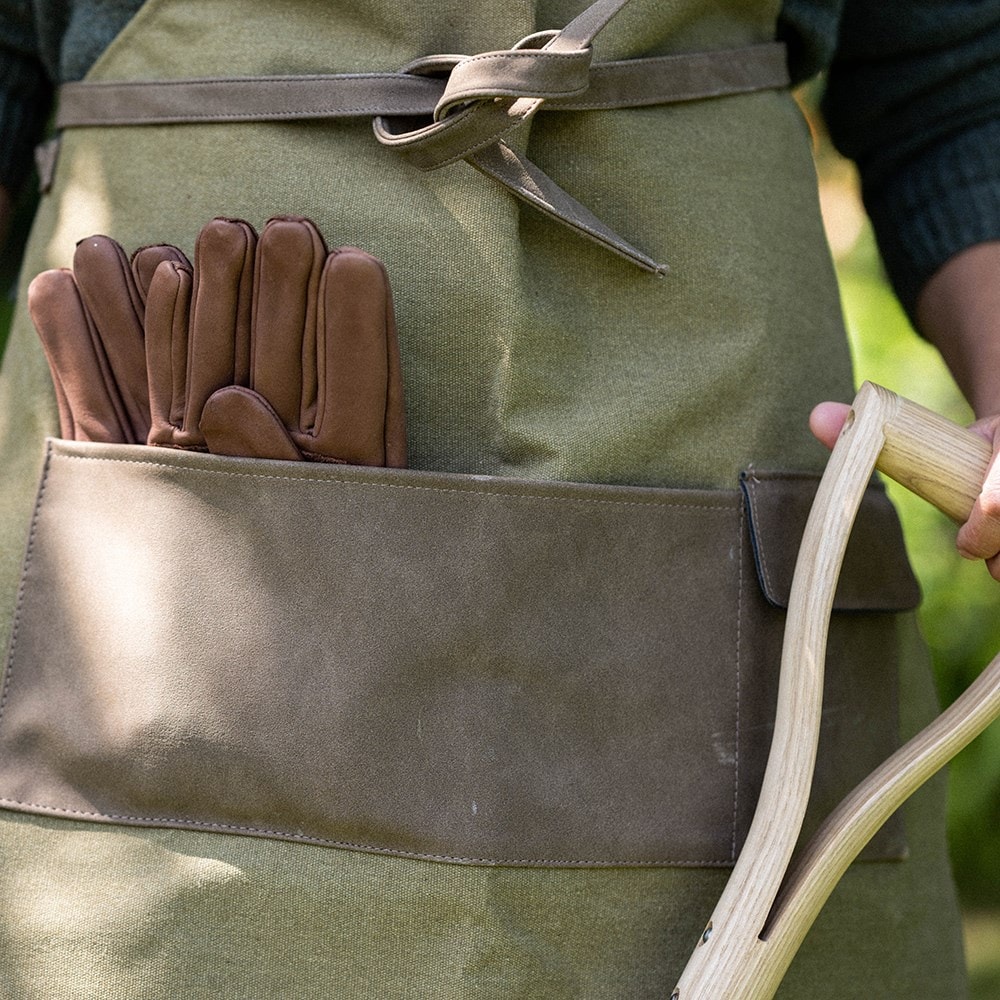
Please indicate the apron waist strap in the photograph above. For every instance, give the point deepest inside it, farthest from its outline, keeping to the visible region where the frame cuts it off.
(470, 104)
(627, 83)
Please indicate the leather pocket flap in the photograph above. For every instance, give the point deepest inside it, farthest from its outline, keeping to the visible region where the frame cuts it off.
(876, 575)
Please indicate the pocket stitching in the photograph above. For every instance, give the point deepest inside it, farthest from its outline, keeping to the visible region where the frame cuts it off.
(467, 491)
(22, 585)
(172, 823)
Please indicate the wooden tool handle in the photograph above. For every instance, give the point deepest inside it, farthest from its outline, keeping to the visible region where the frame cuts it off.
(934, 458)
(765, 911)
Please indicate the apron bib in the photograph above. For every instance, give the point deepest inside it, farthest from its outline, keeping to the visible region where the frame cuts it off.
(523, 767)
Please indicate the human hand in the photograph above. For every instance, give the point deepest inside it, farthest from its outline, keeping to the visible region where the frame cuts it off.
(827, 421)
(979, 537)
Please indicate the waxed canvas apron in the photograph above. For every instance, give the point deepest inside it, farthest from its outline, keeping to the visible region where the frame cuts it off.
(474, 826)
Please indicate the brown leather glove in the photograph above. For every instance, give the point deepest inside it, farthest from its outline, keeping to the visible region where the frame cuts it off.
(197, 324)
(89, 321)
(275, 348)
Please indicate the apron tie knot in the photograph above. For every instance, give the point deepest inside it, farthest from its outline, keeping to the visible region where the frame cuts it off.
(489, 96)
(486, 97)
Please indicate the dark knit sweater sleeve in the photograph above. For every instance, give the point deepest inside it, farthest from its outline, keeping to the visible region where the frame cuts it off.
(25, 94)
(44, 43)
(913, 96)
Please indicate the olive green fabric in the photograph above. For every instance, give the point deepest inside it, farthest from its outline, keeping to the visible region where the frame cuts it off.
(528, 352)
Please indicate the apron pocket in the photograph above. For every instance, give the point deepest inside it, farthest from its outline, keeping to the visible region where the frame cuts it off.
(449, 667)
(860, 726)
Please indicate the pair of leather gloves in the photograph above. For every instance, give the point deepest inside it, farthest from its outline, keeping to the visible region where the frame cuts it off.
(267, 347)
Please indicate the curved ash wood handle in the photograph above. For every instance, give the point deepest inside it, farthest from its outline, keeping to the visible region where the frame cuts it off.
(764, 913)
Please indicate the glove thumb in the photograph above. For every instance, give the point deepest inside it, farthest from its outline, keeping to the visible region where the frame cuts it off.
(239, 421)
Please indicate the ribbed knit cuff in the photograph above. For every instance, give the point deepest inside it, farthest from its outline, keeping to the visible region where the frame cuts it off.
(25, 99)
(942, 202)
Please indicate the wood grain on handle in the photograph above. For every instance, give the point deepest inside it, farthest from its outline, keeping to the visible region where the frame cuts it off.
(934, 458)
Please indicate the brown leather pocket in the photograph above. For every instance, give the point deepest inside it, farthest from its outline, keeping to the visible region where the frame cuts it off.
(450, 667)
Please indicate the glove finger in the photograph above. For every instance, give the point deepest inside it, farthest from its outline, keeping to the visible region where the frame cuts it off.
(290, 259)
(90, 408)
(146, 260)
(109, 293)
(167, 308)
(46, 329)
(354, 312)
(219, 332)
(239, 421)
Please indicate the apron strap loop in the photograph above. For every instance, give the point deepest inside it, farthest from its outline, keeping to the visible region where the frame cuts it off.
(517, 72)
(488, 96)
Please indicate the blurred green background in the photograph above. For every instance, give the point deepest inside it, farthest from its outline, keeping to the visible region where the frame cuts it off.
(960, 615)
(961, 610)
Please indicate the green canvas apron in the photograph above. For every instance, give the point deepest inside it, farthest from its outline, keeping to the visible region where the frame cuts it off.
(618, 408)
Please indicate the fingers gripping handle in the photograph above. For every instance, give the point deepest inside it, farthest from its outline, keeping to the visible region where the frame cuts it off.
(764, 912)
